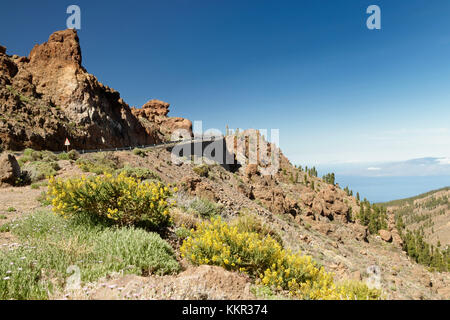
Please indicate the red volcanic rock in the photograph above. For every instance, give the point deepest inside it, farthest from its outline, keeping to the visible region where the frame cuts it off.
(9, 169)
(155, 112)
(385, 235)
(48, 97)
(153, 108)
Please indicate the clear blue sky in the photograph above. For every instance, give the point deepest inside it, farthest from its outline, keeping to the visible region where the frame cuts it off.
(337, 91)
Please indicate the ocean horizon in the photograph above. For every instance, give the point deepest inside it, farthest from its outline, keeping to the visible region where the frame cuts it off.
(383, 189)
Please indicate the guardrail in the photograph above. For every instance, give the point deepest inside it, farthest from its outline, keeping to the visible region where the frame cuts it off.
(162, 144)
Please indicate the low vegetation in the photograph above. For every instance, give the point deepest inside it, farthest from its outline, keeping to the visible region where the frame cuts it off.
(202, 208)
(139, 173)
(249, 223)
(99, 163)
(52, 244)
(111, 200)
(263, 258)
(202, 170)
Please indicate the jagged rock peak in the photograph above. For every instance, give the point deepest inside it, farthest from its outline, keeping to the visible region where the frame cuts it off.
(62, 45)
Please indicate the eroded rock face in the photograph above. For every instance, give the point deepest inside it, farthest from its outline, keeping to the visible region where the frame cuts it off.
(385, 235)
(48, 97)
(154, 113)
(9, 169)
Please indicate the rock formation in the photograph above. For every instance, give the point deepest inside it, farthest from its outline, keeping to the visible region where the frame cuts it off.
(153, 115)
(9, 170)
(48, 97)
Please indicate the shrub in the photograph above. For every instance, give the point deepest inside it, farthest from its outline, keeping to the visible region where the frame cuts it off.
(248, 223)
(30, 155)
(39, 170)
(11, 209)
(139, 173)
(38, 269)
(182, 233)
(63, 156)
(99, 163)
(202, 171)
(111, 199)
(71, 155)
(204, 208)
(359, 290)
(182, 218)
(42, 199)
(218, 243)
(139, 152)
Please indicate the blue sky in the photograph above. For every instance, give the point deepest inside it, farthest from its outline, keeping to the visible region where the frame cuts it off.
(338, 92)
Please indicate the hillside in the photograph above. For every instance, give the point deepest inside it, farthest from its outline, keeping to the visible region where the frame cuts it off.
(315, 221)
(153, 223)
(429, 212)
(423, 222)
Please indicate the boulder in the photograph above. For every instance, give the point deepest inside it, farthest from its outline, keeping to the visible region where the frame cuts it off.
(9, 169)
(385, 235)
(328, 196)
(339, 208)
(251, 170)
(360, 232)
(307, 198)
(396, 239)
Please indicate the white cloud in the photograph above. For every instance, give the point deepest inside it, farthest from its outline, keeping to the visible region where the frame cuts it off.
(373, 169)
(443, 161)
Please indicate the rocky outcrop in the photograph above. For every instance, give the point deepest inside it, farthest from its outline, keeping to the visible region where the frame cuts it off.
(153, 115)
(48, 97)
(9, 170)
(385, 235)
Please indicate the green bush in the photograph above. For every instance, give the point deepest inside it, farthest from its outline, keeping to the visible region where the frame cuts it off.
(182, 232)
(204, 208)
(99, 163)
(139, 152)
(71, 155)
(31, 155)
(63, 156)
(39, 170)
(42, 198)
(53, 244)
(202, 171)
(139, 173)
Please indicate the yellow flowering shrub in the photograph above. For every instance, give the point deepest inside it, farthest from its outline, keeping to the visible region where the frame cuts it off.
(112, 199)
(218, 243)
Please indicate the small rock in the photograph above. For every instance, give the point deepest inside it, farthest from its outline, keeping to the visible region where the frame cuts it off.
(385, 235)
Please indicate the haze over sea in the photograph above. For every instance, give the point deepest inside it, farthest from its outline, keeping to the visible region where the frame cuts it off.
(382, 189)
(385, 181)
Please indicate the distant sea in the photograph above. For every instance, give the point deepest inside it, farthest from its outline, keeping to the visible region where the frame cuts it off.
(382, 189)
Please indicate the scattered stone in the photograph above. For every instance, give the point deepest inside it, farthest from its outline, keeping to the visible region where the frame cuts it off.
(385, 235)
